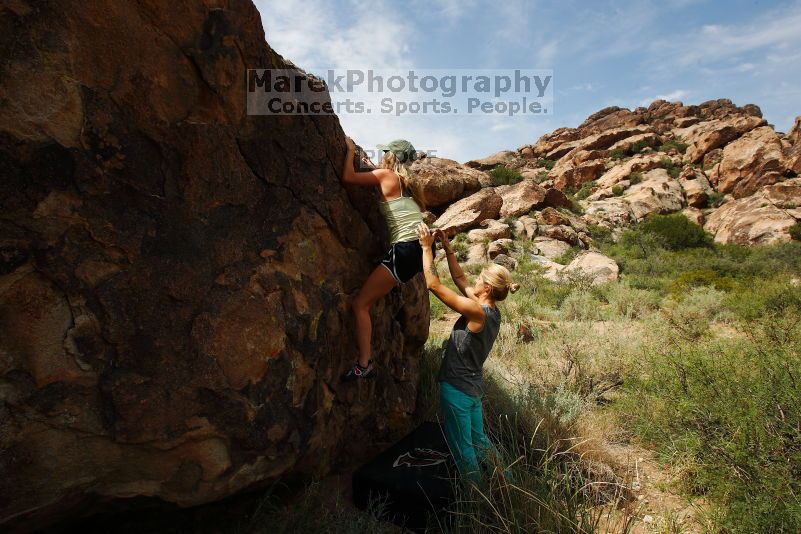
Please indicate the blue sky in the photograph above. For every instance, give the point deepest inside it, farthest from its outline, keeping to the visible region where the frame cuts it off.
(602, 53)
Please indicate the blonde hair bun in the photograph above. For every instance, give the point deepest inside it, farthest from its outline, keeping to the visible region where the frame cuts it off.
(499, 278)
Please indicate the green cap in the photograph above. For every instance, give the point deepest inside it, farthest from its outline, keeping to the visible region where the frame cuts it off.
(402, 149)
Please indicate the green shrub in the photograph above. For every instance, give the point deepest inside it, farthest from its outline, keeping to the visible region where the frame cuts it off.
(618, 153)
(627, 302)
(673, 169)
(676, 231)
(728, 409)
(701, 278)
(716, 199)
(585, 191)
(617, 190)
(546, 163)
(501, 175)
(638, 147)
(568, 256)
(599, 234)
(635, 178)
(795, 231)
(681, 147)
(581, 306)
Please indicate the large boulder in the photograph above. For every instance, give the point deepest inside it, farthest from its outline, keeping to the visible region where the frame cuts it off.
(573, 173)
(469, 212)
(490, 231)
(445, 180)
(597, 141)
(526, 226)
(657, 193)
(793, 152)
(596, 267)
(709, 135)
(750, 162)
(601, 269)
(762, 218)
(520, 198)
(502, 158)
(696, 187)
(609, 213)
(550, 248)
(639, 163)
(175, 274)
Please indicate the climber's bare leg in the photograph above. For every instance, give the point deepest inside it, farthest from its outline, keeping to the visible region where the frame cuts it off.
(379, 283)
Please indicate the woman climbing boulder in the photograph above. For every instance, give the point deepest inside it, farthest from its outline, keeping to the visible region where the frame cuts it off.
(402, 206)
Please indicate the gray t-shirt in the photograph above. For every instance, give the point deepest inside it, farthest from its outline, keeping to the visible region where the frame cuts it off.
(467, 351)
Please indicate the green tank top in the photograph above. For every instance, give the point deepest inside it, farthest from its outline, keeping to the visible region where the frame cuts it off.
(402, 215)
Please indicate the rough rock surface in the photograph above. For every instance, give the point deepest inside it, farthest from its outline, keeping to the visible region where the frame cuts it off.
(639, 163)
(709, 135)
(503, 157)
(526, 226)
(445, 180)
(550, 248)
(696, 187)
(490, 231)
(598, 268)
(748, 163)
(175, 275)
(520, 198)
(470, 211)
(762, 218)
(657, 193)
(793, 155)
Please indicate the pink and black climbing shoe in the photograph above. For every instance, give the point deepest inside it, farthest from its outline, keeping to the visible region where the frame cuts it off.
(357, 372)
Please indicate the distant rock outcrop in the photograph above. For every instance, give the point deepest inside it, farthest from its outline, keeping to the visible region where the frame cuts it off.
(668, 158)
(175, 275)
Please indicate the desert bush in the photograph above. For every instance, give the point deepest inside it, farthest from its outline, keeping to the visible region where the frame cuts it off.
(585, 190)
(676, 231)
(730, 409)
(671, 144)
(501, 175)
(635, 178)
(626, 302)
(795, 231)
(545, 163)
(618, 190)
(716, 199)
(701, 278)
(581, 306)
(673, 169)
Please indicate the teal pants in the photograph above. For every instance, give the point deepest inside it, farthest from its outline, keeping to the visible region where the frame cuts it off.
(463, 424)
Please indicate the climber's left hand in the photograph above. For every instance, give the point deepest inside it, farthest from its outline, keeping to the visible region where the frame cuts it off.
(424, 235)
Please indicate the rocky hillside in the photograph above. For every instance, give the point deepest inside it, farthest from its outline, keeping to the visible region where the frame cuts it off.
(721, 165)
(175, 276)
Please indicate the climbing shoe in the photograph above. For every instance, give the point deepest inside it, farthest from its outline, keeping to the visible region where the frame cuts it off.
(357, 372)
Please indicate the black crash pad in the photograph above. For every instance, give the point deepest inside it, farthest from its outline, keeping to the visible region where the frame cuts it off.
(412, 478)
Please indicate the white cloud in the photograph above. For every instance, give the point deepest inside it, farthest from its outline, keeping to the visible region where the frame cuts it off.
(314, 33)
(774, 31)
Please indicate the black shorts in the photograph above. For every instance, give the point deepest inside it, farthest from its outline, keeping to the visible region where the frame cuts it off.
(404, 260)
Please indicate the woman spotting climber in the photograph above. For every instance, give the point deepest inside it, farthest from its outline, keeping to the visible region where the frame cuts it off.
(402, 207)
(460, 375)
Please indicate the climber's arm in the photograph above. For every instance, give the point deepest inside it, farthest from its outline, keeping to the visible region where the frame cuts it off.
(465, 306)
(457, 274)
(350, 176)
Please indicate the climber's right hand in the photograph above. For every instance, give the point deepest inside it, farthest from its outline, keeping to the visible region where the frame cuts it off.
(440, 234)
